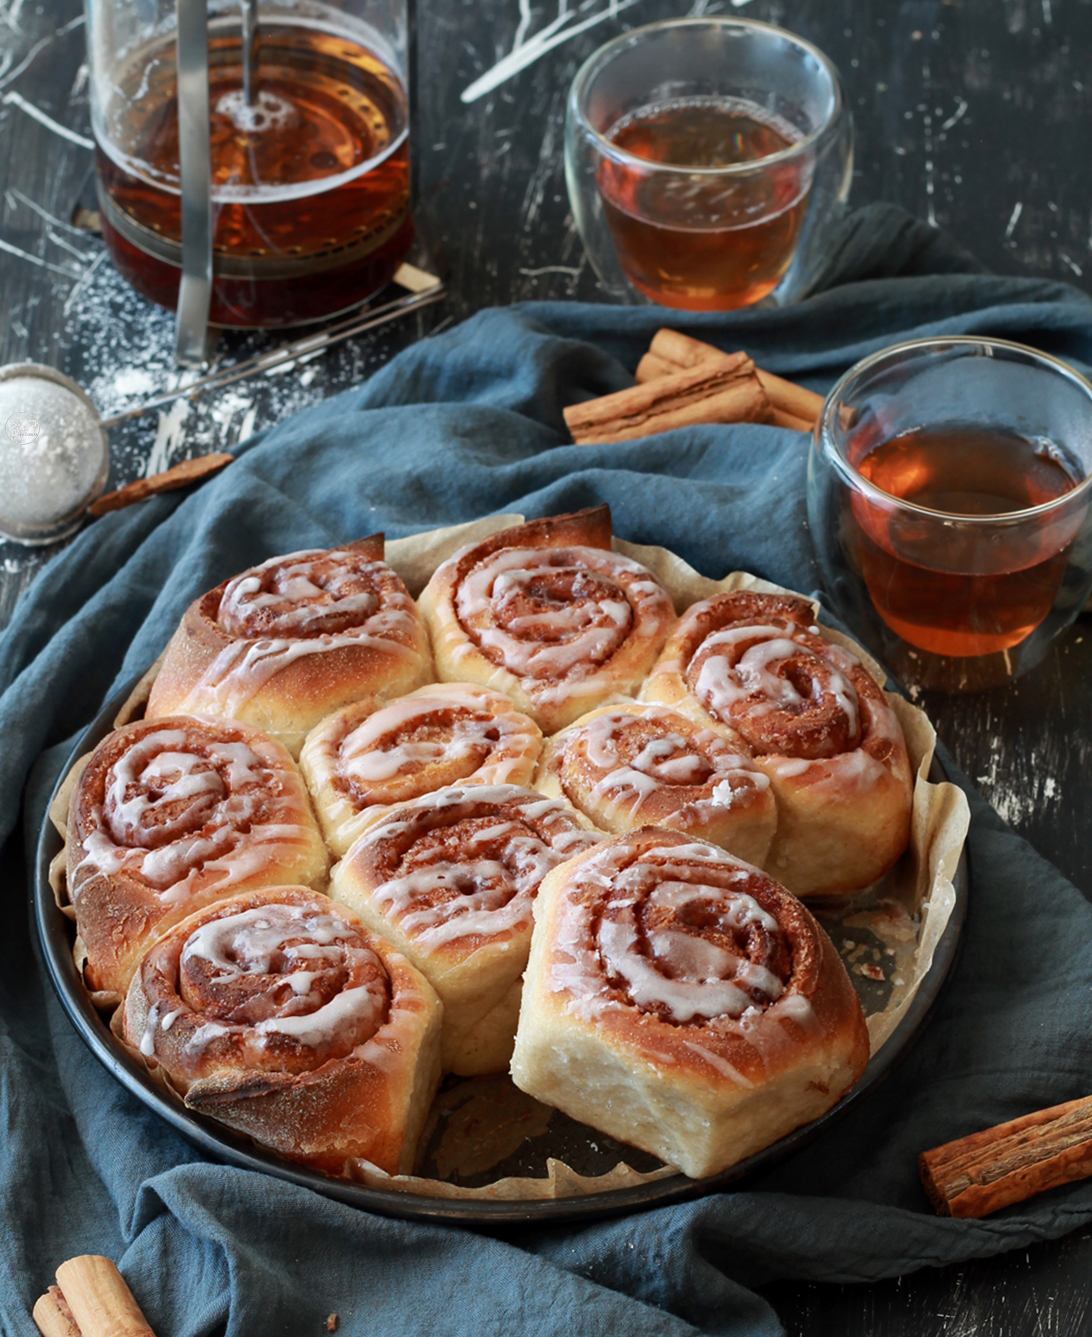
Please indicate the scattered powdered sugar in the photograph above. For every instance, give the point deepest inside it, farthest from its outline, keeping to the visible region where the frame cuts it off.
(119, 347)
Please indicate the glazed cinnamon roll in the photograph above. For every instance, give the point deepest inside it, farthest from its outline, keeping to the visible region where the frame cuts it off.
(280, 1015)
(371, 755)
(548, 614)
(170, 814)
(451, 879)
(635, 765)
(758, 668)
(683, 1002)
(290, 641)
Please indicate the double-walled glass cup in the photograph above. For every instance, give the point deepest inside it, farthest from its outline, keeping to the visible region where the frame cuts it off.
(949, 484)
(707, 162)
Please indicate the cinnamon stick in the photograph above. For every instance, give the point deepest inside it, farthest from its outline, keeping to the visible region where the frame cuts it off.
(791, 399)
(100, 1301)
(727, 391)
(651, 367)
(671, 351)
(681, 350)
(986, 1171)
(780, 418)
(53, 1316)
(189, 471)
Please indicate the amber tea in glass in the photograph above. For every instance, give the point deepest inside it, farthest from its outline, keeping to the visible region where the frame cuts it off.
(707, 162)
(310, 181)
(699, 240)
(948, 499)
(949, 596)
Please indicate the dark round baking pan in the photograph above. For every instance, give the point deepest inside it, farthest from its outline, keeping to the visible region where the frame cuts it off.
(56, 933)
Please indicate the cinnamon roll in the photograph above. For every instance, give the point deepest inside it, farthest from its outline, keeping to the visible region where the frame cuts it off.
(170, 814)
(371, 755)
(758, 668)
(682, 1001)
(546, 613)
(278, 1014)
(636, 765)
(290, 641)
(450, 879)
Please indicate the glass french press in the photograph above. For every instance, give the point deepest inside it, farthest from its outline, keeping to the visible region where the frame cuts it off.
(252, 157)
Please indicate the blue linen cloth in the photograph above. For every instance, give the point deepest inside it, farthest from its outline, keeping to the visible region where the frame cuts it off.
(463, 425)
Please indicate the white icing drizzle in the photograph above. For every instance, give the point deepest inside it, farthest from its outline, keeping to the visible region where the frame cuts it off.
(482, 740)
(749, 676)
(147, 1038)
(176, 806)
(660, 897)
(566, 634)
(303, 593)
(316, 1028)
(283, 943)
(720, 1063)
(697, 759)
(242, 668)
(489, 888)
(302, 604)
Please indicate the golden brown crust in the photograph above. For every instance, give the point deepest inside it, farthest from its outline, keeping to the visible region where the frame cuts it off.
(287, 642)
(373, 754)
(757, 668)
(170, 814)
(683, 1001)
(634, 765)
(546, 613)
(278, 1014)
(450, 879)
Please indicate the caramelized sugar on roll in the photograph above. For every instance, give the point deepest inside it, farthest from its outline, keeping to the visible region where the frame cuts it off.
(450, 879)
(369, 756)
(281, 1016)
(684, 1002)
(757, 668)
(635, 765)
(288, 642)
(170, 814)
(548, 614)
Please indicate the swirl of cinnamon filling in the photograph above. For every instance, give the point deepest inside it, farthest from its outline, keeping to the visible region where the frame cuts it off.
(312, 593)
(302, 604)
(678, 930)
(277, 986)
(451, 880)
(631, 765)
(547, 613)
(782, 688)
(286, 643)
(277, 1013)
(757, 668)
(170, 814)
(369, 756)
(460, 867)
(683, 1001)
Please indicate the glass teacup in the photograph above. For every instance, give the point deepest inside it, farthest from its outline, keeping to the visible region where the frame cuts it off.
(948, 498)
(707, 161)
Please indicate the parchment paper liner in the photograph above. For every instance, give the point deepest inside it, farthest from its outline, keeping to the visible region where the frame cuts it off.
(897, 923)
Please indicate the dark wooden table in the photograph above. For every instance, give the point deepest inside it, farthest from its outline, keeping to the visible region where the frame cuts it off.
(973, 114)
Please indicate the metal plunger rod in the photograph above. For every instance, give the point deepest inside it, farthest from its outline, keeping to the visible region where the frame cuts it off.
(195, 170)
(251, 47)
